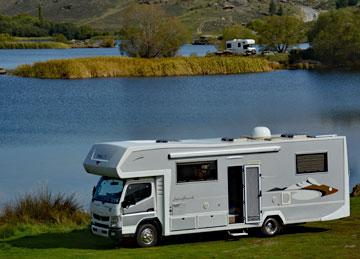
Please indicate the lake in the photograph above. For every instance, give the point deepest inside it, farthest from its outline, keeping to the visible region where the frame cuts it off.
(11, 58)
(48, 126)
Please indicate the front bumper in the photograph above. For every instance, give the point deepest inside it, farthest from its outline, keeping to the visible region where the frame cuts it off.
(113, 233)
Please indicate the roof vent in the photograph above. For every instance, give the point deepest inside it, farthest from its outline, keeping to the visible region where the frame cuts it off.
(162, 141)
(261, 133)
(227, 139)
(287, 135)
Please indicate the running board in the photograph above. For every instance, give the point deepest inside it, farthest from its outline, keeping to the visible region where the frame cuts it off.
(238, 234)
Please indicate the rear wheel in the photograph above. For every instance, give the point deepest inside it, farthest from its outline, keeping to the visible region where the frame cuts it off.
(271, 227)
(147, 235)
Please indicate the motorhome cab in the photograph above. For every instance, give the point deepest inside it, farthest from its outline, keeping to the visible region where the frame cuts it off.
(241, 46)
(150, 189)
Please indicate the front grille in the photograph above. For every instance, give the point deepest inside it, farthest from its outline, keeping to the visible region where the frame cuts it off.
(101, 218)
(100, 225)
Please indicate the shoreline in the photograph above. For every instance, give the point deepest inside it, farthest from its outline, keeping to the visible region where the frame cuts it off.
(104, 67)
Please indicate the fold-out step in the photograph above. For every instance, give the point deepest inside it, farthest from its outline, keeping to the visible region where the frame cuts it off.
(237, 234)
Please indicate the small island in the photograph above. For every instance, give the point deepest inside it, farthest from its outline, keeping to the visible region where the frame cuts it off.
(140, 67)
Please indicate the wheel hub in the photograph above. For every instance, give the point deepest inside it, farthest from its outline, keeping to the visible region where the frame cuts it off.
(270, 227)
(147, 236)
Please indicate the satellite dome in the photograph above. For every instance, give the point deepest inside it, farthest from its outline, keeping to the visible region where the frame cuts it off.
(261, 133)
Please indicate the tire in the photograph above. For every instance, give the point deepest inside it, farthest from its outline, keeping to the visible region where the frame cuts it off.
(147, 235)
(271, 227)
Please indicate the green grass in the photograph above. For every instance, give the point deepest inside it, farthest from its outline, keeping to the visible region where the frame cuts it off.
(139, 67)
(32, 45)
(332, 239)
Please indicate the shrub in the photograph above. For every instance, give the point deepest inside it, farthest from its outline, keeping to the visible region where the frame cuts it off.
(60, 38)
(108, 43)
(297, 55)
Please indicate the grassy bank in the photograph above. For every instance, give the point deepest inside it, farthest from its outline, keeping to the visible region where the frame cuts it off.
(331, 239)
(138, 67)
(32, 45)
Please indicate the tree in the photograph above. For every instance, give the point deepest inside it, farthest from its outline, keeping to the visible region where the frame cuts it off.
(272, 7)
(341, 3)
(335, 38)
(40, 13)
(280, 11)
(352, 2)
(279, 31)
(150, 33)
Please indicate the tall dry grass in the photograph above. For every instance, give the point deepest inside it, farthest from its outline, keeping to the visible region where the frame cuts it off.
(43, 207)
(32, 45)
(138, 67)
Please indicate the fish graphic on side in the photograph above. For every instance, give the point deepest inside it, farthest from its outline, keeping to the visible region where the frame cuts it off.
(307, 190)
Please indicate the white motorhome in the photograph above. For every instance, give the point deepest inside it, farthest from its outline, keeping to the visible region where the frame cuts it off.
(241, 46)
(149, 189)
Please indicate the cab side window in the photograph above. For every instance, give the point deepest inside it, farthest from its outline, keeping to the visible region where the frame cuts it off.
(138, 191)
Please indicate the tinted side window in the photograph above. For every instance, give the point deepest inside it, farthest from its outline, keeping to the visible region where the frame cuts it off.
(138, 191)
(197, 171)
(311, 163)
(228, 45)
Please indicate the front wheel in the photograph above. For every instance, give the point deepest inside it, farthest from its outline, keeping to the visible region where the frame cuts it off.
(147, 235)
(271, 227)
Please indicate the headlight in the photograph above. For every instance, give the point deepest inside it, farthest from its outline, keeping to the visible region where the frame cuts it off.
(114, 221)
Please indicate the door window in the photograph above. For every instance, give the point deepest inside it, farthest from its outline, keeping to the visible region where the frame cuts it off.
(138, 191)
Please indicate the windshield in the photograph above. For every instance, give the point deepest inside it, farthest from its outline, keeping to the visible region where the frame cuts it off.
(109, 190)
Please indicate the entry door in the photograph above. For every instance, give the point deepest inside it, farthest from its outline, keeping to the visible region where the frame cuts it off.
(252, 193)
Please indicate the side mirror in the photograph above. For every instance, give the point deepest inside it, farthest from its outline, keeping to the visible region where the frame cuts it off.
(125, 204)
(129, 200)
(93, 191)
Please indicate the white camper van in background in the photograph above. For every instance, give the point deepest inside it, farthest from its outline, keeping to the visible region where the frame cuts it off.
(241, 46)
(149, 189)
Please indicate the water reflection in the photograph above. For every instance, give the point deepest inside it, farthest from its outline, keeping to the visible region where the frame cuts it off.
(348, 118)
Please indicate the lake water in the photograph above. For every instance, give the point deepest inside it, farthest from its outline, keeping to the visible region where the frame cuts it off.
(48, 126)
(10, 59)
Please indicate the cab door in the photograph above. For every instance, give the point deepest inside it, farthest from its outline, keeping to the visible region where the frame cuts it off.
(138, 201)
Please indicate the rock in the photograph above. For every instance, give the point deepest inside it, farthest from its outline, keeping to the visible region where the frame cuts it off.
(356, 191)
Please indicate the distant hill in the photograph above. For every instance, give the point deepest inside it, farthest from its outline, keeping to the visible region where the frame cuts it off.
(201, 16)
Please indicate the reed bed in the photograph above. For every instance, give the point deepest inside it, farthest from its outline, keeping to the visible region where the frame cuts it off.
(95, 67)
(33, 45)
